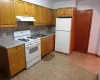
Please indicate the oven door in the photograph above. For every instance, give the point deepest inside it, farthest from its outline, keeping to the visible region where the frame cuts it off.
(32, 52)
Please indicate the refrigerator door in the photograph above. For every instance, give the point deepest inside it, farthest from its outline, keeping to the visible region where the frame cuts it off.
(63, 24)
(62, 41)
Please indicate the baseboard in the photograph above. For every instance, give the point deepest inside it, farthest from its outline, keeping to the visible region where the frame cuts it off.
(93, 54)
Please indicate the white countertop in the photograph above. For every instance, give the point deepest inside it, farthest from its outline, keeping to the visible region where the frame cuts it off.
(8, 43)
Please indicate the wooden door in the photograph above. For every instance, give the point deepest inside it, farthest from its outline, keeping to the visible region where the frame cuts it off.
(82, 30)
(7, 13)
(20, 8)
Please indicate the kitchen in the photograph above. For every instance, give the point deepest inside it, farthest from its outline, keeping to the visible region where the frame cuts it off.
(28, 27)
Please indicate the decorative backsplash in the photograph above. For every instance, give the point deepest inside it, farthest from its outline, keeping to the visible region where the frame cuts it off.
(8, 32)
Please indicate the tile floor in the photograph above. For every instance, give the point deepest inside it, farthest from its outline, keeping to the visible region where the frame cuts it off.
(86, 61)
(56, 66)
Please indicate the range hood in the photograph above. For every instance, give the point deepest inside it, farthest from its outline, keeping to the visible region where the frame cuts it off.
(25, 18)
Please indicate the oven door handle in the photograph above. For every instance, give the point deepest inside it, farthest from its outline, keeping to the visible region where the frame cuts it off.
(29, 47)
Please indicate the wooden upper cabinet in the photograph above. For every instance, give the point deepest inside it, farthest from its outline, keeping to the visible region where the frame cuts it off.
(43, 15)
(49, 16)
(37, 15)
(7, 13)
(64, 12)
(34, 10)
(60, 12)
(68, 11)
(54, 16)
(20, 8)
(29, 9)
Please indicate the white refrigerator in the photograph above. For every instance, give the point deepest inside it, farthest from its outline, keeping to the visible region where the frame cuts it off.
(62, 38)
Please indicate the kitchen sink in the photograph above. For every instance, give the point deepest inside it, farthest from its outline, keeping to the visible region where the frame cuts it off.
(40, 35)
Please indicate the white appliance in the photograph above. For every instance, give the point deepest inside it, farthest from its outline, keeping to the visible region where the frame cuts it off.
(25, 18)
(32, 47)
(63, 30)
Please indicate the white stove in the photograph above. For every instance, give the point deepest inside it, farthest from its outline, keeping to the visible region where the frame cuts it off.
(32, 46)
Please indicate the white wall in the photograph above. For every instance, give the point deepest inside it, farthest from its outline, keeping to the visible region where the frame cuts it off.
(60, 4)
(94, 42)
(45, 3)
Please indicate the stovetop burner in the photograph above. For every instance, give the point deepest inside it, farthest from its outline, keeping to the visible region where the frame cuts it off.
(32, 37)
(23, 39)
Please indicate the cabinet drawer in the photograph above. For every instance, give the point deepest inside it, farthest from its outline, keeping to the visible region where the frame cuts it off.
(21, 47)
(13, 59)
(11, 51)
(14, 69)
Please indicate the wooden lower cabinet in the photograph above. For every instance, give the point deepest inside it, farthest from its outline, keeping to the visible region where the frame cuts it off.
(52, 42)
(13, 60)
(47, 45)
(14, 69)
(21, 60)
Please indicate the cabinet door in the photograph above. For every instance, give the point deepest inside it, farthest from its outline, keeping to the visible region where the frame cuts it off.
(20, 8)
(7, 13)
(21, 59)
(48, 45)
(43, 47)
(34, 10)
(13, 59)
(43, 15)
(14, 69)
(52, 43)
(29, 9)
(68, 11)
(37, 15)
(54, 16)
(48, 17)
(51, 16)
(60, 12)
